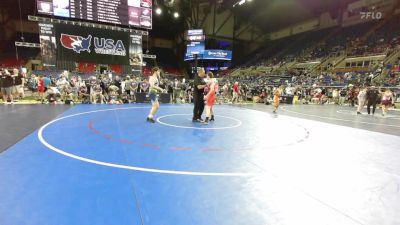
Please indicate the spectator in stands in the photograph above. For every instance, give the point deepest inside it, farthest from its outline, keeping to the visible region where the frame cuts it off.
(133, 89)
(128, 82)
(84, 95)
(96, 93)
(117, 82)
(61, 85)
(69, 94)
(113, 95)
(176, 90)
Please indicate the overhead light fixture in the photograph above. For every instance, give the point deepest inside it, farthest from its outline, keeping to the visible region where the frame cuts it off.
(241, 2)
(176, 15)
(158, 11)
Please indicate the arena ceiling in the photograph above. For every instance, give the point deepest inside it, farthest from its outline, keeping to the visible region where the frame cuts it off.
(271, 15)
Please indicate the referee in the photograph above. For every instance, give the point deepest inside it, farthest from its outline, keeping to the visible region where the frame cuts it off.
(198, 95)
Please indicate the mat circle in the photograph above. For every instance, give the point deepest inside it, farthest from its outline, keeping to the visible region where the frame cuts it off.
(238, 123)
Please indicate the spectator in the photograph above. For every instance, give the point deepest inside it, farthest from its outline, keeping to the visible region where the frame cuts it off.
(362, 98)
(7, 85)
(18, 84)
(235, 93)
(342, 96)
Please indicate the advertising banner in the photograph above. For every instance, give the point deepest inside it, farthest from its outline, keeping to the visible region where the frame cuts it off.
(48, 45)
(77, 43)
(135, 50)
(212, 55)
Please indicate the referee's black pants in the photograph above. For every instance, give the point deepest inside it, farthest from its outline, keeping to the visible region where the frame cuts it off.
(198, 106)
(369, 104)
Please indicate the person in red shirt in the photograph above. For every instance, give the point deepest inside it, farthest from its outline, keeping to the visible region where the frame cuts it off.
(210, 97)
(277, 97)
(236, 91)
(41, 88)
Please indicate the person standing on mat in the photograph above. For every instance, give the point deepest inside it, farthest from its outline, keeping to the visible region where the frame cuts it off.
(277, 97)
(198, 95)
(387, 98)
(210, 97)
(235, 92)
(153, 93)
(372, 97)
(362, 97)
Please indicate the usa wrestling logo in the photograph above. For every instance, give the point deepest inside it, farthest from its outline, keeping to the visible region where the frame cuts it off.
(103, 46)
(109, 47)
(76, 43)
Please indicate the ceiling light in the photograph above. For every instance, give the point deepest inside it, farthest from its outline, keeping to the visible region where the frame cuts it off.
(176, 15)
(158, 11)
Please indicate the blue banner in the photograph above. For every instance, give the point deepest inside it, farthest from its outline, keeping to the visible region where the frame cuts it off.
(212, 54)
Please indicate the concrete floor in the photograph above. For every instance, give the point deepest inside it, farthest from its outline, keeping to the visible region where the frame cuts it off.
(339, 115)
(18, 121)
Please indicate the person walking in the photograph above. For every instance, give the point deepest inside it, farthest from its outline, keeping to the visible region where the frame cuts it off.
(277, 97)
(154, 89)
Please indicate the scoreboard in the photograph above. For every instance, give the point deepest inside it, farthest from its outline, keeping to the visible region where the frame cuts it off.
(195, 44)
(137, 13)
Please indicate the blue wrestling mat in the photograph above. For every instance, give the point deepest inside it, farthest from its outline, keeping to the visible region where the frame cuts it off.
(105, 165)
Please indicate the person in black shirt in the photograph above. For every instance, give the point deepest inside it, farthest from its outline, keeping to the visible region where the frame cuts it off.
(117, 82)
(198, 95)
(372, 97)
(6, 87)
(342, 96)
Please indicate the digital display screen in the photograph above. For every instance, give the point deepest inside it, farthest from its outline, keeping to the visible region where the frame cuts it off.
(195, 32)
(195, 44)
(196, 38)
(137, 13)
(195, 48)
